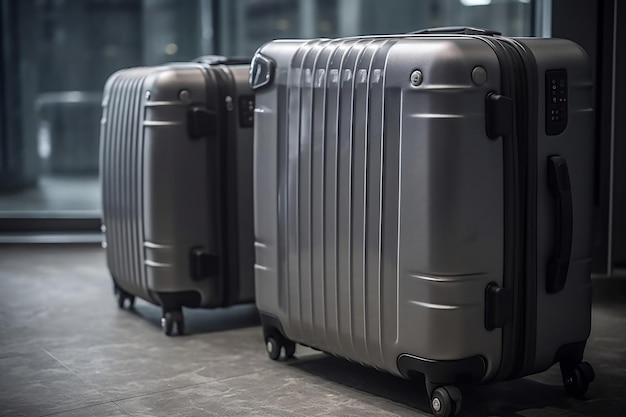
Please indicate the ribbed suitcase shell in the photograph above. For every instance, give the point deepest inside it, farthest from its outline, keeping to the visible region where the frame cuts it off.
(158, 184)
(379, 205)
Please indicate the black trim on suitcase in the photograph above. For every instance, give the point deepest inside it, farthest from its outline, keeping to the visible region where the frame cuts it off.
(271, 324)
(513, 215)
(228, 197)
(518, 351)
(215, 250)
(528, 84)
(467, 370)
(225, 156)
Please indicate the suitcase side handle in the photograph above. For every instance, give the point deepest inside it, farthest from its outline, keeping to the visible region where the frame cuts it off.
(460, 30)
(559, 182)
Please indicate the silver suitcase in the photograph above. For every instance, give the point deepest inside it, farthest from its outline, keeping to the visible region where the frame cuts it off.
(176, 174)
(423, 204)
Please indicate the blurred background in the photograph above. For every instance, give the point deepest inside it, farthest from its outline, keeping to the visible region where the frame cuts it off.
(57, 54)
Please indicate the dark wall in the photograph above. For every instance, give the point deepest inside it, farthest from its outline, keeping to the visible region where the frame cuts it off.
(19, 163)
(599, 27)
(619, 150)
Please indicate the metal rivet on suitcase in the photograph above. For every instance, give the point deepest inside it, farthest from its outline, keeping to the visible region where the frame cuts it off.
(184, 96)
(416, 78)
(147, 95)
(229, 103)
(479, 75)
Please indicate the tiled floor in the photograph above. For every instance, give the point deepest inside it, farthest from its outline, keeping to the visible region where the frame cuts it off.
(67, 350)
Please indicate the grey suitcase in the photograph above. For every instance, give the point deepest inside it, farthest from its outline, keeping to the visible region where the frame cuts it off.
(423, 204)
(176, 174)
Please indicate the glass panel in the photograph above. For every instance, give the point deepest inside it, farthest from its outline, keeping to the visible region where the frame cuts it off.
(246, 24)
(57, 55)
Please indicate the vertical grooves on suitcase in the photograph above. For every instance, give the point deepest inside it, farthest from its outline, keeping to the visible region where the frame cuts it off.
(122, 177)
(334, 194)
(376, 219)
(359, 194)
(117, 239)
(329, 186)
(374, 201)
(344, 188)
(105, 171)
(314, 248)
(135, 180)
(305, 184)
(293, 134)
(282, 120)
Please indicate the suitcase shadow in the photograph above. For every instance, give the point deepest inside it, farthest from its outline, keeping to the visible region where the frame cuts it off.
(198, 321)
(508, 398)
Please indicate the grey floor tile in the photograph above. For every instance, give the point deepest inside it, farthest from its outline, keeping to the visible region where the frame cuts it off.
(36, 384)
(101, 410)
(282, 391)
(133, 367)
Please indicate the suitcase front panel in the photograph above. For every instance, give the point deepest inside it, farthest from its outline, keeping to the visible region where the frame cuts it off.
(389, 213)
(450, 209)
(177, 190)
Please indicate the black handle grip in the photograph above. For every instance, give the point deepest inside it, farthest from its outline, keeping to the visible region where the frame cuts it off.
(461, 30)
(222, 60)
(558, 180)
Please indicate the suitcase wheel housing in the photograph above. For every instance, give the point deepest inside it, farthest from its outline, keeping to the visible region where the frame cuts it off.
(275, 342)
(445, 401)
(576, 379)
(169, 319)
(121, 296)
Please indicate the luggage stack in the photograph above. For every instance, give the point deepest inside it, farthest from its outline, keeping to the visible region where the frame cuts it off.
(176, 174)
(423, 204)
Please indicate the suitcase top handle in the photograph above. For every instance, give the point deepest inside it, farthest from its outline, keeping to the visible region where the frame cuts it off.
(219, 59)
(461, 30)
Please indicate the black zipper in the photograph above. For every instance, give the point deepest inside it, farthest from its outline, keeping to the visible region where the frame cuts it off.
(227, 219)
(528, 85)
(519, 81)
(513, 213)
(215, 81)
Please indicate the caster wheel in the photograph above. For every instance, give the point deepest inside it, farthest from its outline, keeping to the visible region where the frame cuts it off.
(169, 319)
(122, 296)
(576, 380)
(273, 347)
(290, 349)
(167, 324)
(120, 299)
(442, 401)
(180, 327)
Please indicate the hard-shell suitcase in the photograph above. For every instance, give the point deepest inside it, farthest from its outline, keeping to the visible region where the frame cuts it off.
(176, 174)
(423, 202)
